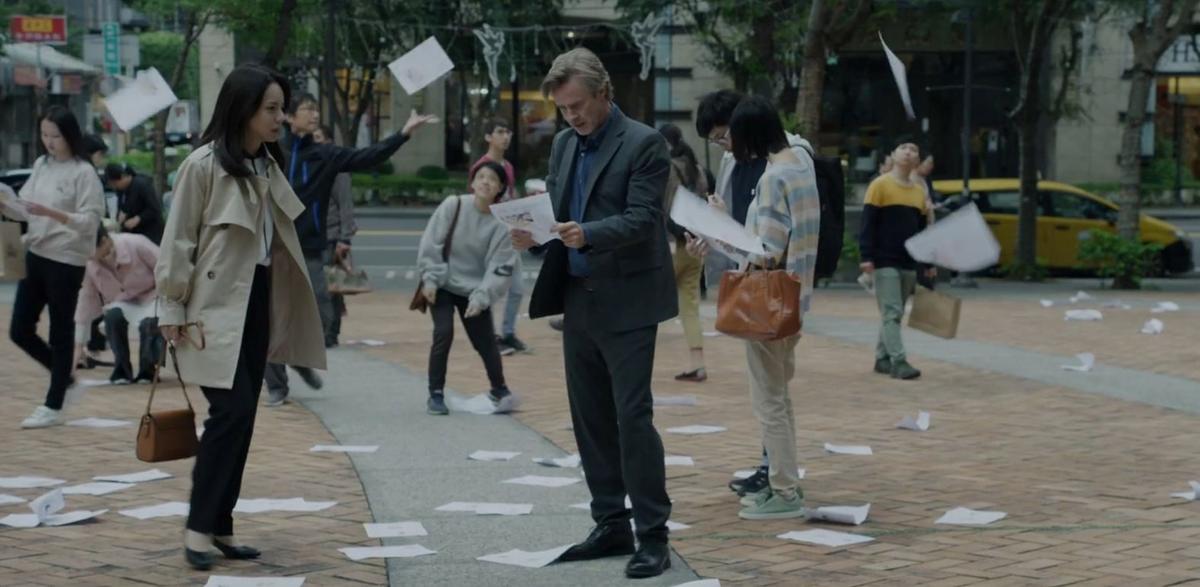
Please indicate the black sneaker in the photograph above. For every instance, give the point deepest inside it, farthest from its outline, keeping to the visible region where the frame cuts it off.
(506, 350)
(514, 343)
(752, 484)
(902, 370)
(883, 366)
(498, 394)
(276, 397)
(557, 324)
(436, 404)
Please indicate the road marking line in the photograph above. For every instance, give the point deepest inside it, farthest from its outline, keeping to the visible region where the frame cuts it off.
(390, 233)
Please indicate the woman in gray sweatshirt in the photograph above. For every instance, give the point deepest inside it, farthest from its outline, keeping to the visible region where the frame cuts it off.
(468, 278)
(64, 202)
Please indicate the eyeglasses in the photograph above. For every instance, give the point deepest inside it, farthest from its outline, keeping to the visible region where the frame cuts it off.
(721, 140)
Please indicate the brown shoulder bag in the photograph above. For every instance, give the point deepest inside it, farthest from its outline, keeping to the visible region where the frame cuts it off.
(169, 435)
(419, 303)
(759, 304)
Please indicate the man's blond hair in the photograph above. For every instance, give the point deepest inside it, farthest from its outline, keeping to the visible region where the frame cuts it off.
(583, 65)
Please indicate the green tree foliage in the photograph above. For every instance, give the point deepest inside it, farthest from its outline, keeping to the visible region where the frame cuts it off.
(161, 50)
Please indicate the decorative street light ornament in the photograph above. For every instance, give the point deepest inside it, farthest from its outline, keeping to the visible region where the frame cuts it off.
(493, 46)
(644, 34)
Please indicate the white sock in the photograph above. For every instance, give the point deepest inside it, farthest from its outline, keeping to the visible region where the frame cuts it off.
(227, 540)
(196, 541)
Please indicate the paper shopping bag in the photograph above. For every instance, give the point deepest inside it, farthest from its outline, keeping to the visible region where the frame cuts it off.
(935, 313)
(12, 252)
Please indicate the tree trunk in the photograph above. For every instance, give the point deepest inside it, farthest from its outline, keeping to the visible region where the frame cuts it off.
(812, 75)
(1027, 215)
(1131, 160)
(329, 114)
(194, 25)
(283, 32)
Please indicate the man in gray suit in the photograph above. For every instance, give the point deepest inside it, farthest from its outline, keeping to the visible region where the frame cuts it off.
(611, 278)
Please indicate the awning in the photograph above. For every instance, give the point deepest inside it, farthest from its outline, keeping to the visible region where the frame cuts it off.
(51, 59)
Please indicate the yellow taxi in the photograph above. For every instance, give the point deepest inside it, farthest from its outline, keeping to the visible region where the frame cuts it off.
(1066, 215)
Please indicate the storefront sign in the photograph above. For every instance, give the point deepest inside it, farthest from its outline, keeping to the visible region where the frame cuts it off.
(50, 29)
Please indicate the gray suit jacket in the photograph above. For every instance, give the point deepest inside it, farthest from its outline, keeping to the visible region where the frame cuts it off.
(627, 250)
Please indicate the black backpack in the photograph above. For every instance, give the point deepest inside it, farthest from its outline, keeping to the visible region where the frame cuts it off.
(831, 187)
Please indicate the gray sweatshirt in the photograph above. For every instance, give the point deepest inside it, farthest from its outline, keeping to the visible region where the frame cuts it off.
(71, 187)
(481, 254)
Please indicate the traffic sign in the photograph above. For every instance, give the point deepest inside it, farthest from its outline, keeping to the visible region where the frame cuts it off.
(49, 29)
(111, 31)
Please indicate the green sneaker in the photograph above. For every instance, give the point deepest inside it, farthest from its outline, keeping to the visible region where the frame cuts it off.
(902, 370)
(774, 506)
(883, 366)
(752, 498)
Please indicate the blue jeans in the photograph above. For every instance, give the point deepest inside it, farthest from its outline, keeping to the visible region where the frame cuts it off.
(512, 307)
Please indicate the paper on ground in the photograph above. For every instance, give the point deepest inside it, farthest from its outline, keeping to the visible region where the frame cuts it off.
(162, 510)
(1190, 495)
(920, 423)
(679, 461)
(295, 504)
(1086, 362)
(712, 333)
(1152, 326)
(421, 66)
(95, 488)
(701, 583)
(135, 103)
(533, 214)
(969, 517)
(962, 241)
(567, 462)
(696, 429)
(747, 473)
(841, 514)
(343, 448)
(529, 560)
(676, 400)
(848, 449)
(693, 213)
(32, 521)
(1083, 315)
(6, 499)
(395, 530)
(541, 481)
(28, 482)
(99, 423)
(151, 475)
(1118, 305)
(228, 581)
(11, 205)
(1047, 303)
(48, 503)
(826, 537)
(587, 506)
(358, 553)
(1161, 307)
(487, 509)
(492, 455)
(481, 404)
(901, 77)
(1080, 296)
(367, 341)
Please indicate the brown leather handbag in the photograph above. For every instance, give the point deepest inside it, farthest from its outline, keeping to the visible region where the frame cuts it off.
(759, 304)
(169, 435)
(419, 303)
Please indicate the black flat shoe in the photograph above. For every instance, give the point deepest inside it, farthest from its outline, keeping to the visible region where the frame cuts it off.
(651, 560)
(201, 561)
(604, 541)
(237, 552)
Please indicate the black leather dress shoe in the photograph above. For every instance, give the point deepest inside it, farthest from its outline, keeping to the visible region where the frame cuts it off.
(604, 541)
(201, 561)
(237, 552)
(651, 560)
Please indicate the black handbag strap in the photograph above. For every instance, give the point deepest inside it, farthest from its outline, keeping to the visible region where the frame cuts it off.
(175, 360)
(450, 233)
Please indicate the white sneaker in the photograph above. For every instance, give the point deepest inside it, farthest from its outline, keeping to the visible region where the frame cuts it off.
(43, 417)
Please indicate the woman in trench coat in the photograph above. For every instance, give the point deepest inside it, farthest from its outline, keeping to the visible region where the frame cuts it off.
(233, 291)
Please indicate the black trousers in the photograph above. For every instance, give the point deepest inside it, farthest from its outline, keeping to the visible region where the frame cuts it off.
(612, 411)
(480, 330)
(150, 348)
(54, 286)
(221, 459)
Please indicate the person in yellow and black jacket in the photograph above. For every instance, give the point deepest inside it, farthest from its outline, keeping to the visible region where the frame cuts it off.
(894, 210)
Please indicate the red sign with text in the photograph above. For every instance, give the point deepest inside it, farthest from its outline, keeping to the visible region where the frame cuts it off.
(38, 29)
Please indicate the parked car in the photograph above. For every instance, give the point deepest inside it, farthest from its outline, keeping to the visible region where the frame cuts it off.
(1066, 216)
(15, 178)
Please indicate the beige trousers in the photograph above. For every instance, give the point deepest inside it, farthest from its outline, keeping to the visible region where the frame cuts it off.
(772, 365)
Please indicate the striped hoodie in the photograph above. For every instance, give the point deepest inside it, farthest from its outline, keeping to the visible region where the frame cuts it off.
(786, 215)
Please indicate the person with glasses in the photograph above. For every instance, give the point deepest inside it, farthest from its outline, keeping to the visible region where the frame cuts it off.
(312, 168)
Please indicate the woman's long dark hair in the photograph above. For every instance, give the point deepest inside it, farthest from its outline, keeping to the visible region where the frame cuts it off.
(691, 172)
(498, 169)
(68, 127)
(240, 97)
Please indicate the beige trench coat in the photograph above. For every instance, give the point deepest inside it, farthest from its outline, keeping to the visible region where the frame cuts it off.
(206, 265)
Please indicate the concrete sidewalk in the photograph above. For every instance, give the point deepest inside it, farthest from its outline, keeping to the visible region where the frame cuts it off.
(422, 464)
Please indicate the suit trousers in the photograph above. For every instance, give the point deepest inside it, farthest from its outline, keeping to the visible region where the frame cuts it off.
(612, 411)
(221, 458)
(277, 377)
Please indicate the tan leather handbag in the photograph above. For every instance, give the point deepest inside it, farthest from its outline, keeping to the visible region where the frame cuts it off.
(169, 435)
(759, 304)
(345, 280)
